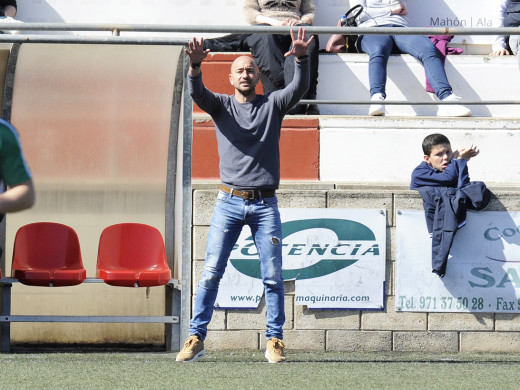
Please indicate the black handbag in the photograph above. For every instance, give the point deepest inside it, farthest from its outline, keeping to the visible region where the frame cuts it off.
(339, 43)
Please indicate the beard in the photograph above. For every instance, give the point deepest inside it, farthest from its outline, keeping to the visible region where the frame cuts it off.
(246, 91)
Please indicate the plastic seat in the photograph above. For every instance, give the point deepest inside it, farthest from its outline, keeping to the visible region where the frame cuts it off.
(132, 255)
(47, 254)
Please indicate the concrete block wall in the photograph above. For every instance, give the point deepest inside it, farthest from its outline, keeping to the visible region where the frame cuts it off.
(354, 330)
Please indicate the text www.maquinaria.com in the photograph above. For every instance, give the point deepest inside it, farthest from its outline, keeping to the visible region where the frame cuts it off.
(308, 298)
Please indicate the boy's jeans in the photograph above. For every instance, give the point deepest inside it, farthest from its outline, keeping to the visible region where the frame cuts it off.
(230, 215)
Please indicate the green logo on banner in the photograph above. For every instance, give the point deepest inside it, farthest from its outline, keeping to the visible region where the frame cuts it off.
(332, 258)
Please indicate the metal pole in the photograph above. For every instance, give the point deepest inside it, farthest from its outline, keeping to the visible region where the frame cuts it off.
(227, 29)
(412, 103)
(186, 210)
(6, 311)
(173, 303)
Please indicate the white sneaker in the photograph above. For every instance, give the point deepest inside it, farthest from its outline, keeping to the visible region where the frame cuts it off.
(377, 108)
(8, 19)
(453, 109)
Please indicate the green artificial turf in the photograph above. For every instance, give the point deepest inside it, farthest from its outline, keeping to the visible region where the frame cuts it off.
(248, 370)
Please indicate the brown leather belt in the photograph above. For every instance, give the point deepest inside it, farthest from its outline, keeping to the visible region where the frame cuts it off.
(248, 194)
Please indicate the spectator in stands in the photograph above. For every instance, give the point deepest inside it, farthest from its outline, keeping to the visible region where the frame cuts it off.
(442, 179)
(14, 173)
(248, 133)
(8, 10)
(508, 16)
(393, 13)
(268, 50)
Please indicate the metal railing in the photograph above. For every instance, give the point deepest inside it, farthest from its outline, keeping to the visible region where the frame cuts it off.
(165, 28)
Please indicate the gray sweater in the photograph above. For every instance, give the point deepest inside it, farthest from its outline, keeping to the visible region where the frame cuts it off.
(248, 134)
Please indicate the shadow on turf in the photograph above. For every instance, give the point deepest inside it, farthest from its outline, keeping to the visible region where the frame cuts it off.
(84, 348)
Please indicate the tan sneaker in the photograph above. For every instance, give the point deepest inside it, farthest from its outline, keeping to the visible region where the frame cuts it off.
(193, 349)
(274, 351)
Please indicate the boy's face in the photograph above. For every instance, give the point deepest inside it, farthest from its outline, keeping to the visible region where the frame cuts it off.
(439, 157)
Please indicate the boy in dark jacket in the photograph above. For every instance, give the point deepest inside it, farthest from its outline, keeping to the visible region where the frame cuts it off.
(443, 181)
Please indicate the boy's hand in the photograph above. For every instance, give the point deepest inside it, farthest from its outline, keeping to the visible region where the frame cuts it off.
(467, 153)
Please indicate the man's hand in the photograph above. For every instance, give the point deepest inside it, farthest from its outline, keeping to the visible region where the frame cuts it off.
(299, 44)
(466, 153)
(196, 52)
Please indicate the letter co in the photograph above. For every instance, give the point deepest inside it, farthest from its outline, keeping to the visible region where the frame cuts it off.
(494, 233)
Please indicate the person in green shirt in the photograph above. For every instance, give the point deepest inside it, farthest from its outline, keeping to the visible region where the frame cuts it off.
(16, 188)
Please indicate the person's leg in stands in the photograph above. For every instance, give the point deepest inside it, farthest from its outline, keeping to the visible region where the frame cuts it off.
(227, 43)
(378, 48)
(313, 52)
(268, 52)
(423, 49)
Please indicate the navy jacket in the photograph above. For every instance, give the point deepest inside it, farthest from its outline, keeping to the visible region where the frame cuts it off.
(446, 197)
(512, 17)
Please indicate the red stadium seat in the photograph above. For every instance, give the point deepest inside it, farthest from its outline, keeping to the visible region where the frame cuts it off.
(47, 254)
(132, 255)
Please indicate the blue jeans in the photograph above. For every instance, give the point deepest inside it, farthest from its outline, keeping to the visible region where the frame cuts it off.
(230, 215)
(379, 48)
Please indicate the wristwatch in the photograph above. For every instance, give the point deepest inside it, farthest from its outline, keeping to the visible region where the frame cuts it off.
(195, 66)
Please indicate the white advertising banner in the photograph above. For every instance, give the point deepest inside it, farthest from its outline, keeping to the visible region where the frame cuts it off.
(335, 256)
(483, 272)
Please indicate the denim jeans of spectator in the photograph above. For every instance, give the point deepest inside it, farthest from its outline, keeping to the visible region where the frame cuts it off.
(230, 215)
(379, 48)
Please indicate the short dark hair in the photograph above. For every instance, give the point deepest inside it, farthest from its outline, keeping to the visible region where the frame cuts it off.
(433, 140)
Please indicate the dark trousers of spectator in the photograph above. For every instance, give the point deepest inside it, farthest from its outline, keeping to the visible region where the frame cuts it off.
(276, 71)
(230, 42)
